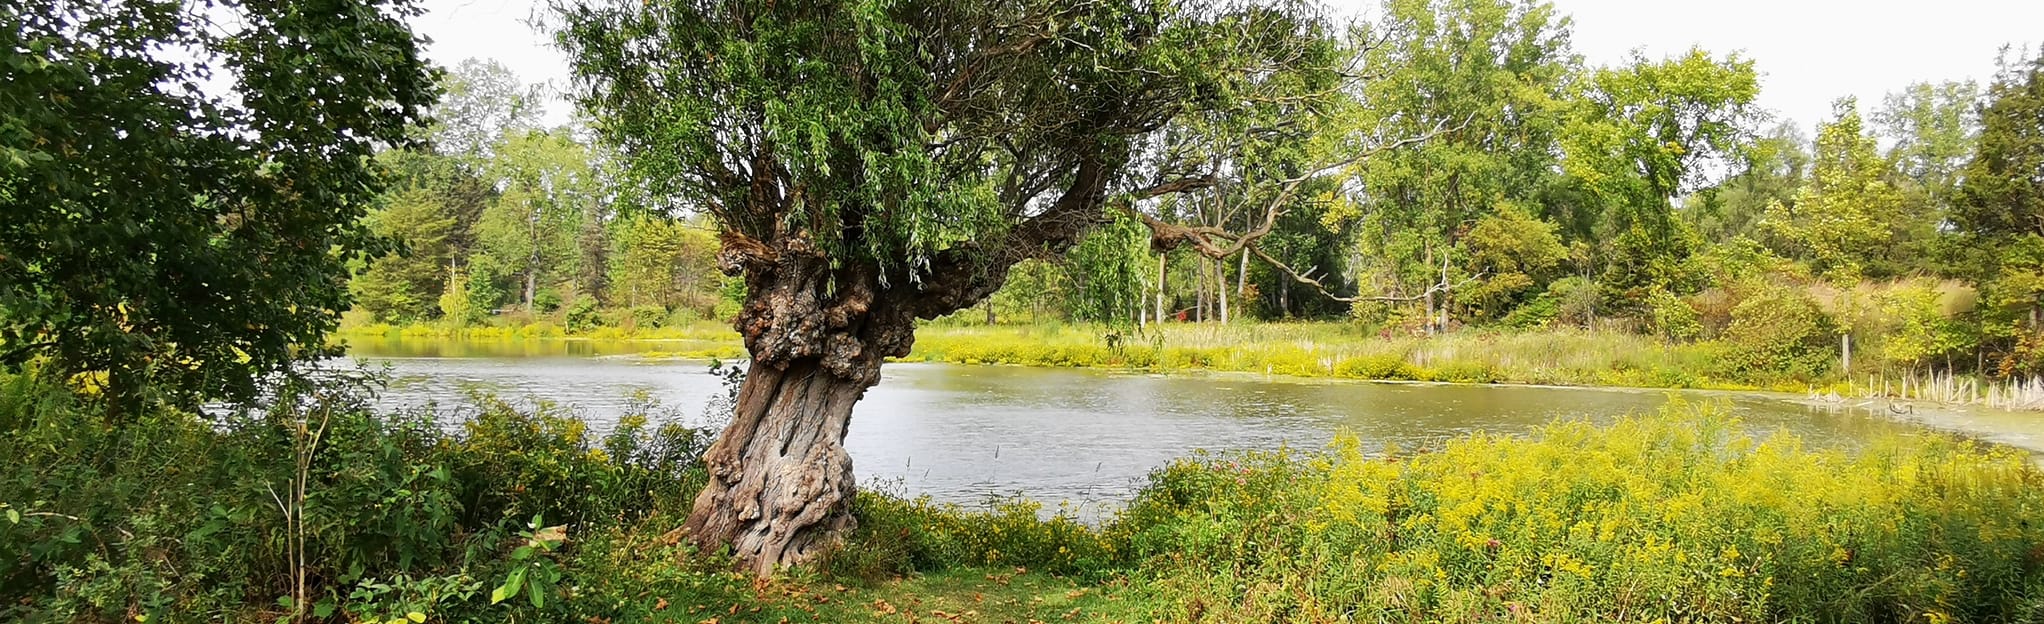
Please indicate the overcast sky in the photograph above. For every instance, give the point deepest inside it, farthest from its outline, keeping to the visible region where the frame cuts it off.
(1809, 52)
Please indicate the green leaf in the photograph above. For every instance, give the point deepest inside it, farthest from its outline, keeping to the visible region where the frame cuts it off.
(510, 587)
(538, 596)
(324, 609)
(13, 517)
(416, 617)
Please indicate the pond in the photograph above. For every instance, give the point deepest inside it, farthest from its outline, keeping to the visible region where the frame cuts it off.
(1082, 437)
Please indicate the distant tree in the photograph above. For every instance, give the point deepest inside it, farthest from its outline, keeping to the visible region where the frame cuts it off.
(1493, 73)
(483, 103)
(192, 239)
(406, 286)
(1771, 170)
(1848, 218)
(1107, 270)
(2003, 189)
(1933, 128)
(1638, 137)
(659, 260)
(532, 232)
(2000, 209)
(1515, 252)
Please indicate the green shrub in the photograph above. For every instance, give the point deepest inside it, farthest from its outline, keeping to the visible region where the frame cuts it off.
(1778, 334)
(176, 516)
(1534, 314)
(1576, 300)
(648, 316)
(1671, 318)
(898, 536)
(582, 315)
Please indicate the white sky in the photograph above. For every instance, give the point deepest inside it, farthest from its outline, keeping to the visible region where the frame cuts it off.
(1809, 52)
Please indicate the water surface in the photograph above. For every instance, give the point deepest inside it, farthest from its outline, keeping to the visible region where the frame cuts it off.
(1088, 437)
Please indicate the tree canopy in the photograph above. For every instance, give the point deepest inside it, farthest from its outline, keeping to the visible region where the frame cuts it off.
(185, 181)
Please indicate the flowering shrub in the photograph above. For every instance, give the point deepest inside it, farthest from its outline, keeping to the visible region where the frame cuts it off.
(1682, 516)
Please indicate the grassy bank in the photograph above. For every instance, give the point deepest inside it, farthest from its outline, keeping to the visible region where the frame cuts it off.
(518, 515)
(1561, 357)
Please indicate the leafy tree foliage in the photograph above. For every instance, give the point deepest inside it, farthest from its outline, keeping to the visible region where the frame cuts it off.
(1933, 128)
(1848, 218)
(1494, 73)
(483, 103)
(406, 285)
(2001, 208)
(873, 163)
(163, 228)
(1771, 170)
(530, 234)
(655, 260)
(1640, 136)
(1515, 251)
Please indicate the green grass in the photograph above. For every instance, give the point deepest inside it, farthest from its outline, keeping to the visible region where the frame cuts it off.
(976, 595)
(1340, 350)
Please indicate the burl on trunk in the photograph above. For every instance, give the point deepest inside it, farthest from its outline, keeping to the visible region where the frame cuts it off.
(780, 487)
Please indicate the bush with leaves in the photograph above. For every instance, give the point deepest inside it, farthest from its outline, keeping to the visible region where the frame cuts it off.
(1778, 334)
(188, 517)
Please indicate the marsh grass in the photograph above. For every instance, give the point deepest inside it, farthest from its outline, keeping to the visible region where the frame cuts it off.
(1305, 349)
(1557, 357)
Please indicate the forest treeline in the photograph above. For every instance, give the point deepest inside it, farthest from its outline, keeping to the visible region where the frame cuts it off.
(1652, 196)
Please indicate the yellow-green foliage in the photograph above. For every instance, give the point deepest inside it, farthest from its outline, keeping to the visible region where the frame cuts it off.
(1557, 356)
(1778, 333)
(700, 331)
(1677, 517)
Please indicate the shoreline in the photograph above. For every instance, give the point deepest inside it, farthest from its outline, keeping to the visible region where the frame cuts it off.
(2001, 427)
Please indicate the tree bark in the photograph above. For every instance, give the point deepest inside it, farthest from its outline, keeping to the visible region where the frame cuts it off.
(1428, 260)
(1221, 289)
(1161, 273)
(1242, 274)
(531, 289)
(818, 327)
(780, 487)
(781, 483)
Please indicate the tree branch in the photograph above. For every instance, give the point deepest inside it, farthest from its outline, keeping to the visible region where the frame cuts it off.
(1438, 287)
(1217, 243)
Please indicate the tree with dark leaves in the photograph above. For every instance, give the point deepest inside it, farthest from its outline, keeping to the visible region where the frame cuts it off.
(183, 181)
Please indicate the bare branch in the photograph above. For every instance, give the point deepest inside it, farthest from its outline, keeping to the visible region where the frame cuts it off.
(1216, 242)
(1307, 279)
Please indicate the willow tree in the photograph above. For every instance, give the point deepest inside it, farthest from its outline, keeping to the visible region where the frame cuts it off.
(875, 162)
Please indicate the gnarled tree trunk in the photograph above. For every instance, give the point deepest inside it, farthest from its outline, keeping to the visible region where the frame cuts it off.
(780, 481)
(781, 488)
(818, 328)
